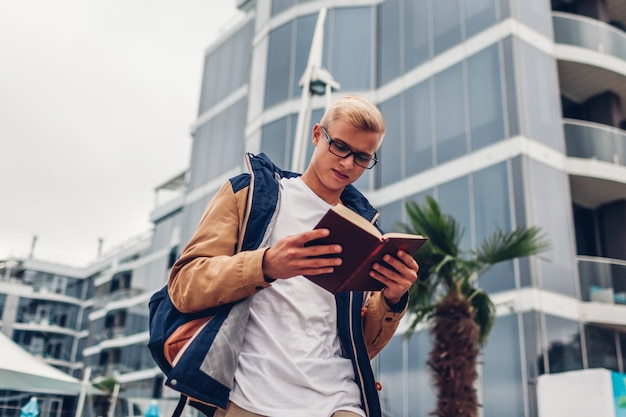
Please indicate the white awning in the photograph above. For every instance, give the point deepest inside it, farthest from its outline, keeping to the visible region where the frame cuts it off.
(21, 371)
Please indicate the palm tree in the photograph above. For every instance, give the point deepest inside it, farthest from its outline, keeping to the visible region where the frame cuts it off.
(103, 404)
(446, 296)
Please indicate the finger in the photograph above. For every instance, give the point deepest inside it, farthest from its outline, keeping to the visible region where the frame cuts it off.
(310, 235)
(384, 273)
(399, 271)
(407, 259)
(322, 250)
(394, 264)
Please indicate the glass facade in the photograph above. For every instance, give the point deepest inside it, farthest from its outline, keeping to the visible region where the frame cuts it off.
(474, 96)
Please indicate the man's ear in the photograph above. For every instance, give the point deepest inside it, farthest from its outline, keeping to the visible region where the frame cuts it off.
(317, 134)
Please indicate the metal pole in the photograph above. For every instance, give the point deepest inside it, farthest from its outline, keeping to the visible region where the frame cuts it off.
(302, 126)
(116, 390)
(83, 392)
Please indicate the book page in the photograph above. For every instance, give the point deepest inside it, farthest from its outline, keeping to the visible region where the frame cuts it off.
(355, 218)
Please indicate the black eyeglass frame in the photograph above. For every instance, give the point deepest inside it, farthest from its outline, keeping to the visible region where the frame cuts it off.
(350, 152)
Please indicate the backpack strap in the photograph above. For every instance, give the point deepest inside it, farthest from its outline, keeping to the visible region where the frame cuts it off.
(181, 404)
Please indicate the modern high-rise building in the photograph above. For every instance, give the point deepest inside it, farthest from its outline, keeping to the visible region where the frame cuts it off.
(508, 112)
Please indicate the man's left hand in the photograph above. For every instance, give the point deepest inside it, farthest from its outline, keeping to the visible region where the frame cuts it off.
(398, 278)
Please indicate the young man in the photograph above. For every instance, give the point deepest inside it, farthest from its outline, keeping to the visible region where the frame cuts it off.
(282, 345)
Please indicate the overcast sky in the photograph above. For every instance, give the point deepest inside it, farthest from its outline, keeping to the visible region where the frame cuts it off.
(96, 101)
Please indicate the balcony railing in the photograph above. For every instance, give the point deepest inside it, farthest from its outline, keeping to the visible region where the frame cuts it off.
(595, 141)
(602, 279)
(116, 296)
(589, 33)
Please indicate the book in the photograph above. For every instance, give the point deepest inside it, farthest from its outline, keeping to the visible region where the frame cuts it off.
(362, 246)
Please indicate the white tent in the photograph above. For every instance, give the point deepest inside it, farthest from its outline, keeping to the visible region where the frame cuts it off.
(21, 371)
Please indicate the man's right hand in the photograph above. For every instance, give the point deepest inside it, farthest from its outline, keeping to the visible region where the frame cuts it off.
(289, 257)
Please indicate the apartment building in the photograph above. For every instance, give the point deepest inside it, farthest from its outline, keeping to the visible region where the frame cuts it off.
(509, 112)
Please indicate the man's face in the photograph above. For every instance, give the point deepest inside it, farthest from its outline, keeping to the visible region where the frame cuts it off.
(328, 173)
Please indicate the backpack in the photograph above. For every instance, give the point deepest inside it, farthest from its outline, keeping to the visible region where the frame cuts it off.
(170, 330)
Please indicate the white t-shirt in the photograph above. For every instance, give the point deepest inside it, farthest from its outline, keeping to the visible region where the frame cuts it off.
(291, 362)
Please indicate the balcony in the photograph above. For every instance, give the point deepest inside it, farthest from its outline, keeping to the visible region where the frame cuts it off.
(589, 33)
(590, 140)
(122, 294)
(602, 280)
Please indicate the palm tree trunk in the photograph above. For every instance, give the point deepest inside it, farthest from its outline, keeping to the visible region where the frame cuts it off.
(454, 356)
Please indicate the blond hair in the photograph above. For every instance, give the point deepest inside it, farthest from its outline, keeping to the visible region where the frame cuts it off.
(356, 111)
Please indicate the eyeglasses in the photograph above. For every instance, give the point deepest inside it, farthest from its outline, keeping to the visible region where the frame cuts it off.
(339, 149)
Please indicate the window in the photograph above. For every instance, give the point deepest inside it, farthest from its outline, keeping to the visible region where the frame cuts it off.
(541, 101)
(550, 210)
(446, 24)
(454, 199)
(278, 65)
(450, 114)
(274, 141)
(417, 27)
(390, 153)
(479, 15)
(485, 98)
(601, 349)
(390, 361)
(418, 121)
(350, 66)
(421, 401)
(390, 65)
(502, 370)
(562, 348)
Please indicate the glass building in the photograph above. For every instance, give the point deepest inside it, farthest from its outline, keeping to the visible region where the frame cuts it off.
(508, 112)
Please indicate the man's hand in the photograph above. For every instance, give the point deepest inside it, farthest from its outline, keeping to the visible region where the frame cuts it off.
(398, 278)
(289, 257)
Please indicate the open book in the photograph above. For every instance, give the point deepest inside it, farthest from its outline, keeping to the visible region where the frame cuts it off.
(363, 245)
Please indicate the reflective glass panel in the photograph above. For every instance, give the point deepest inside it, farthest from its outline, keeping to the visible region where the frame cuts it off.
(278, 65)
(550, 210)
(422, 400)
(536, 15)
(541, 91)
(305, 25)
(226, 68)
(454, 199)
(479, 15)
(485, 98)
(389, 48)
(417, 26)
(390, 215)
(351, 66)
(418, 120)
(601, 349)
(502, 370)
(450, 114)
(510, 82)
(446, 24)
(622, 342)
(274, 141)
(390, 152)
(281, 5)
(491, 201)
(391, 367)
(563, 346)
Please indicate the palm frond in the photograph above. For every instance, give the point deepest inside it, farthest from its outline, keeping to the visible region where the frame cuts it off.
(444, 269)
(503, 246)
(443, 231)
(485, 313)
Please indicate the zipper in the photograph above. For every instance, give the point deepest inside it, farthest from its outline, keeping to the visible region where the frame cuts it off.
(356, 357)
(248, 204)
